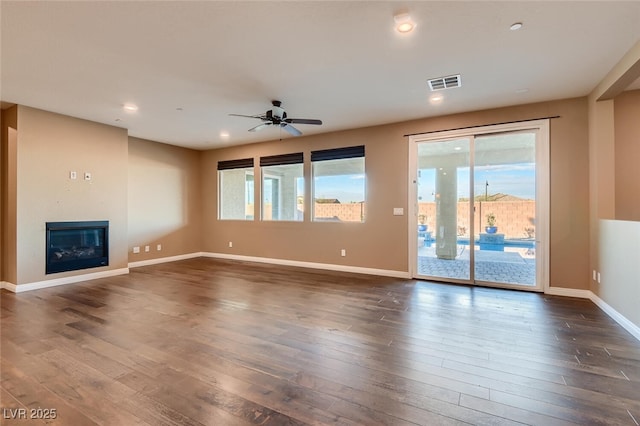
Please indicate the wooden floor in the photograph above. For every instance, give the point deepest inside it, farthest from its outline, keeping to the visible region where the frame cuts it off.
(215, 342)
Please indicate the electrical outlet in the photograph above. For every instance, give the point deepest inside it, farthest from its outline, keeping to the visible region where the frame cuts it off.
(159, 247)
(87, 176)
(136, 249)
(73, 175)
(343, 252)
(146, 249)
(230, 244)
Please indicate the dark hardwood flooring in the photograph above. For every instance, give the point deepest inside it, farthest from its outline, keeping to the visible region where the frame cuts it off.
(215, 342)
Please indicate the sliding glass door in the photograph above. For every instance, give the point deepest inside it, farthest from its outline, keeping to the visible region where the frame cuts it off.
(442, 188)
(480, 210)
(505, 206)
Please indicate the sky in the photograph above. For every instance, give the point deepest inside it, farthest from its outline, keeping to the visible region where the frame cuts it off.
(512, 179)
(346, 188)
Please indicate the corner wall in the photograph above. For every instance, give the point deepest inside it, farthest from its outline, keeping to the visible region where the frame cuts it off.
(8, 159)
(319, 242)
(49, 146)
(626, 107)
(164, 200)
(613, 252)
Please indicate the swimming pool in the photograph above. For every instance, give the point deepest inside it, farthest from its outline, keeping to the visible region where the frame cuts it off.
(509, 244)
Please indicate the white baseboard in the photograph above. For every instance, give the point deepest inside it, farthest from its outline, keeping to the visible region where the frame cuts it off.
(555, 291)
(9, 286)
(588, 294)
(616, 316)
(311, 265)
(569, 292)
(165, 259)
(62, 281)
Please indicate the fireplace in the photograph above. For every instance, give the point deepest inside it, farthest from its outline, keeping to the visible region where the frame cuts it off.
(77, 245)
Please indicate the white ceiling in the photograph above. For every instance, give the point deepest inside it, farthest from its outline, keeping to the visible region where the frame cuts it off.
(341, 62)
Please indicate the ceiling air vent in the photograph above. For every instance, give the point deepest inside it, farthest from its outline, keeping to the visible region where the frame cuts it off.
(442, 83)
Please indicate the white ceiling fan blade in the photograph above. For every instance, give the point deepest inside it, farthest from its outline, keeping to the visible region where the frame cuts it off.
(289, 128)
(259, 127)
(261, 117)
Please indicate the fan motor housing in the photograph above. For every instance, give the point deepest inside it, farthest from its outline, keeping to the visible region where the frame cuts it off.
(278, 113)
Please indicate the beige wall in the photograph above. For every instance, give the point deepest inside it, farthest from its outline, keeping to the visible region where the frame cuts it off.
(3, 130)
(611, 252)
(151, 193)
(49, 147)
(318, 242)
(627, 155)
(382, 241)
(8, 159)
(164, 200)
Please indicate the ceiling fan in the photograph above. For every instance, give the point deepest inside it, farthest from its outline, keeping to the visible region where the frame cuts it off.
(278, 117)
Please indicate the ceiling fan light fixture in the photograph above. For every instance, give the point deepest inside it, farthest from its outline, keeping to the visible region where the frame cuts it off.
(515, 26)
(130, 107)
(404, 23)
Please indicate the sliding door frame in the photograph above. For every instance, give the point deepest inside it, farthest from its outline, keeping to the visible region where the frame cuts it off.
(541, 128)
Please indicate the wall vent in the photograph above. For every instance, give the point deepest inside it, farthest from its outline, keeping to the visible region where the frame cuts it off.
(442, 83)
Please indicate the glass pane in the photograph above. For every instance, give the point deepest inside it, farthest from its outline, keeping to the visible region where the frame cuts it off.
(236, 194)
(505, 205)
(443, 209)
(339, 190)
(283, 192)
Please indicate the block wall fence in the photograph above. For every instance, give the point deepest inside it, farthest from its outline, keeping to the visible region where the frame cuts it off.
(515, 219)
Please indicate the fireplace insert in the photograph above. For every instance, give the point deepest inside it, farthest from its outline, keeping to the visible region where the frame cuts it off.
(77, 245)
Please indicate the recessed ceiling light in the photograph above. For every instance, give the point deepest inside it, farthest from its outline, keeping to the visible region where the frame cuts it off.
(458, 148)
(436, 99)
(515, 26)
(404, 23)
(224, 134)
(405, 27)
(130, 107)
(523, 90)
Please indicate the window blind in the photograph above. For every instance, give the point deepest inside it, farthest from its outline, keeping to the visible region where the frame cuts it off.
(279, 160)
(235, 164)
(338, 153)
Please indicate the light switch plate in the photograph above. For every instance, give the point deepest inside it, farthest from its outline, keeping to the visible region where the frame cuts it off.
(398, 211)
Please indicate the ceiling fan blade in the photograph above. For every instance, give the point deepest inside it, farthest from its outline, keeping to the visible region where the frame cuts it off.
(259, 127)
(303, 121)
(261, 117)
(289, 128)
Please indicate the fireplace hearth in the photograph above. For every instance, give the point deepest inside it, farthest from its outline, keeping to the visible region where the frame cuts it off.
(77, 245)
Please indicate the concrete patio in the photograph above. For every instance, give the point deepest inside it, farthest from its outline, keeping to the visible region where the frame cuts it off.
(514, 265)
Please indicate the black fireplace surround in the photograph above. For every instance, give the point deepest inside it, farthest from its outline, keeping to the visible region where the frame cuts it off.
(77, 245)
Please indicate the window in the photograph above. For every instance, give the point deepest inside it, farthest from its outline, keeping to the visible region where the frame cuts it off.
(339, 184)
(283, 187)
(236, 189)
